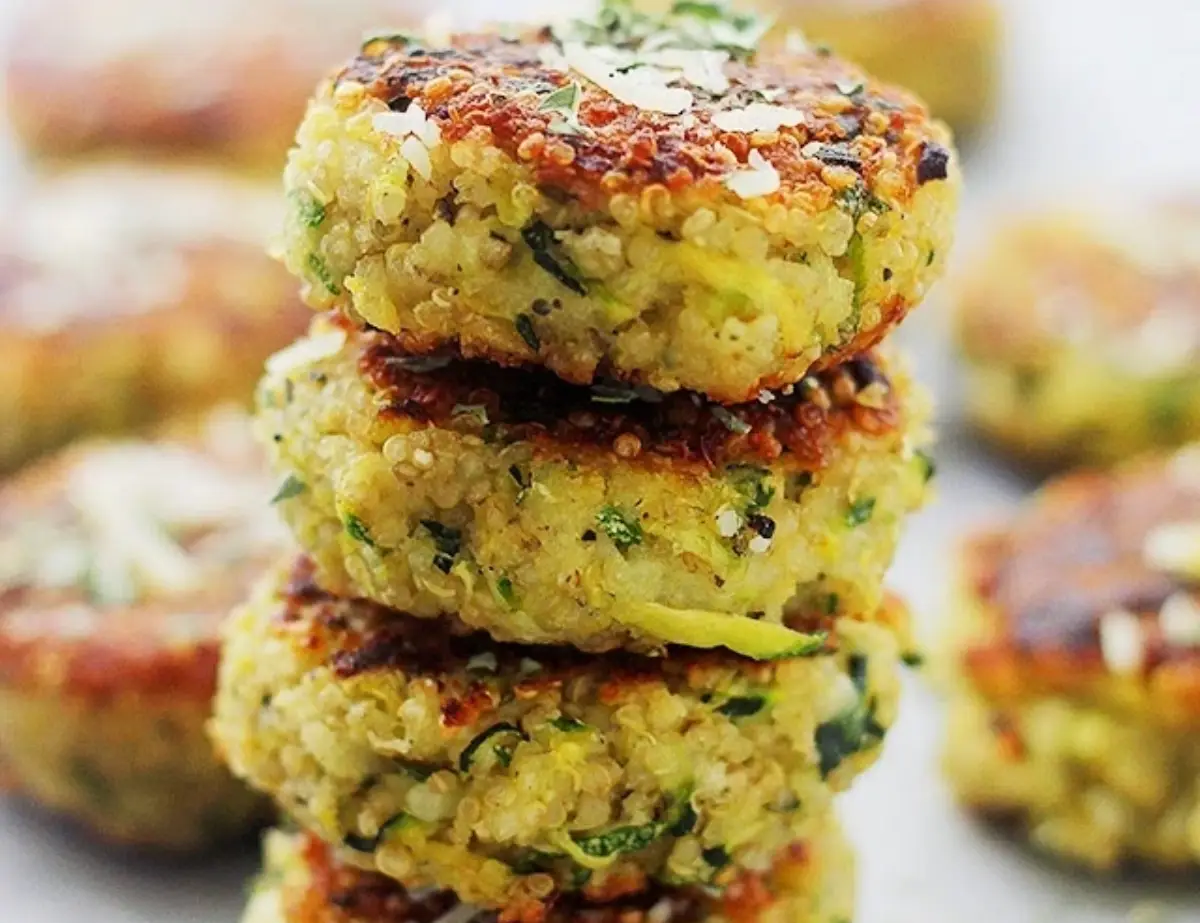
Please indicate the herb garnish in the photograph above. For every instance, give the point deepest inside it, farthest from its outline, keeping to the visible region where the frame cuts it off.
(624, 530)
(563, 105)
(357, 530)
(310, 212)
(317, 267)
(292, 486)
(539, 237)
(448, 542)
(860, 512)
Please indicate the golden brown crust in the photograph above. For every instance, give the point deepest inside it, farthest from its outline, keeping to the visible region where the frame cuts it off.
(371, 638)
(1048, 581)
(853, 128)
(338, 893)
(638, 426)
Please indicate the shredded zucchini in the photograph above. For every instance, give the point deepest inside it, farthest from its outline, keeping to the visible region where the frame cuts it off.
(702, 628)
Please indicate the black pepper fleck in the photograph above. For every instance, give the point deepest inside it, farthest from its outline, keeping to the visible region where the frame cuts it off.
(934, 163)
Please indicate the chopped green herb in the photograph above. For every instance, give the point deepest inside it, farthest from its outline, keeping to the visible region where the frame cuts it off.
(686, 822)
(619, 840)
(928, 465)
(752, 483)
(310, 212)
(503, 754)
(366, 844)
(730, 420)
(317, 267)
(468, 754)
(913, 659)
(857, 200)
(446, 540)
(854, 730)
(563, 105)
(504, 587)
(525, 328)
(624, 530)
(417, 770)
(850, 88)
(523, 481)
(568, 724)
(357, 530)
(580, 877)
(860, 512)
(539, 237)
(743, 706)
(292, 486)
(716, 856)
(832, 603)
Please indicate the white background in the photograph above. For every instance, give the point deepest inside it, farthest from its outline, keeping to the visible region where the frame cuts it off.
(1101, 99)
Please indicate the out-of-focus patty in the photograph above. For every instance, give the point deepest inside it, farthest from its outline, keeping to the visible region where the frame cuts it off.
(1082, 334)
(218, 78)
(601, 517)
(130, 293)
(304, 882)
(947, 52)
(1078, 646)
(118, 560)
(512, 774)
(636, 197)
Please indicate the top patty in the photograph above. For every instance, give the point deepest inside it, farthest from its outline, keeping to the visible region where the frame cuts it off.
(1093, 589)
(691, 215)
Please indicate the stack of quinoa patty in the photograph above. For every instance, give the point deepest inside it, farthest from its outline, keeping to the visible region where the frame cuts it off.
(596, 470)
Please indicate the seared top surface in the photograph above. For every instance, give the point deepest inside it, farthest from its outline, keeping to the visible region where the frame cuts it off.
(800, 428)
(1101, 572)
(653, 106)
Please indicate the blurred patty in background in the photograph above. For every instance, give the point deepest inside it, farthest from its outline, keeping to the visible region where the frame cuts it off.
(118, 561)
(1081, 334)
(129, 294)
(207, 79)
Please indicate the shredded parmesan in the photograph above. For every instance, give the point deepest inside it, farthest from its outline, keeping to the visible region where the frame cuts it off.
(1122, 643)
(1174, 548)
(644, 87)
(758, 117)
(1179, 620)
(760, 179)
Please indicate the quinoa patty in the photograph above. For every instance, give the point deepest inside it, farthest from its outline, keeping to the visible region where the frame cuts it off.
(219, 78)
(601, 517)
(692, 216)
(511, 774)
(1077, 711)
(304, 882)
(130, 293)
(1082, 334)
(118, 560)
